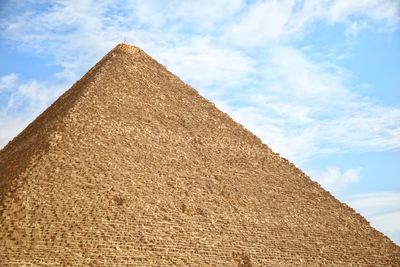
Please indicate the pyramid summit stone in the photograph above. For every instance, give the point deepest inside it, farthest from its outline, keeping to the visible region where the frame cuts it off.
(131, 167)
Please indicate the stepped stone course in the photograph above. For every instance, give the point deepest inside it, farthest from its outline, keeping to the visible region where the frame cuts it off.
(131, 167)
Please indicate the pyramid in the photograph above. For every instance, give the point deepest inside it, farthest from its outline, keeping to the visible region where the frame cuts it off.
(131, 167)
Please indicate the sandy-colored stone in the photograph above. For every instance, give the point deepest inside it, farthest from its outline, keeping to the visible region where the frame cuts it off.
(131, 167)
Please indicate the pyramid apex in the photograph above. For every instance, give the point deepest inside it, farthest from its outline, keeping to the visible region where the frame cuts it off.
(127, 47)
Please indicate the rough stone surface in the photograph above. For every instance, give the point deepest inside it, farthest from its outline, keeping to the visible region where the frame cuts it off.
(131, 167)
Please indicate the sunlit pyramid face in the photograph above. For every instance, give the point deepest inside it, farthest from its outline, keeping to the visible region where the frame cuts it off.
(132, 167)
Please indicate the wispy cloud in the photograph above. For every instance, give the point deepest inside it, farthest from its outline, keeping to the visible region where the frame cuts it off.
(386, 11)
(281, 21)
(7, 82)
(334, 179)
(207, 65)
(262, 23)
(306, 108)
(198, 16)
(23, 102)
(382, 209)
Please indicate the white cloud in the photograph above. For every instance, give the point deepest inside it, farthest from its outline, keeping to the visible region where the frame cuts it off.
(263, 22)
(29, 96)
(376, 203)
(365, 127)
(268, 122)
(356, 27)
(382, 209)
(386, 11)
(10, 126)
(206, 65)
(22, 103)
(8, 81)
(276, 21)
(304, 109)
(292, 74)
(200, 15)
(388, 224)
(333, 179)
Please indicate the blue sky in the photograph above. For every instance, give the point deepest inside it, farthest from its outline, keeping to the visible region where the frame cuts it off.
(317, 81)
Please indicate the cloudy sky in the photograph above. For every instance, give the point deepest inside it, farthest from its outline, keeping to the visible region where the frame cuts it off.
(318, 80)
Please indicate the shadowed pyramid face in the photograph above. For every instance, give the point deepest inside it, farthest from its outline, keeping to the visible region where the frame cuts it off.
(131, 167)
